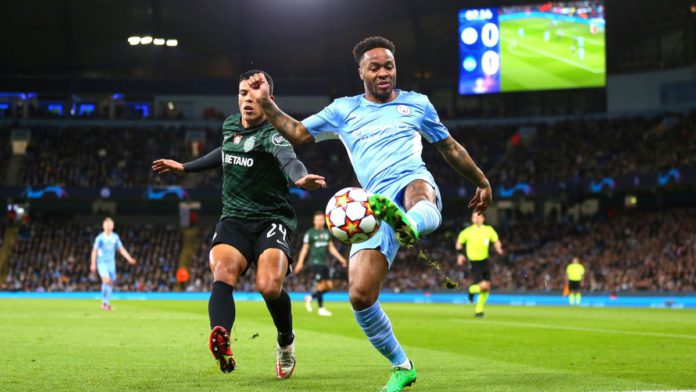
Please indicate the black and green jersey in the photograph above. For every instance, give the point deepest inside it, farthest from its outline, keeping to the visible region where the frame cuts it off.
(318, 241)
(254, 186)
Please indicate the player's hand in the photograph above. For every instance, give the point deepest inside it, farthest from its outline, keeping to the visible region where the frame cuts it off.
(162, 166)
(311, 182)
(260, 90)
(461, 259)
(132, 261)
(482, 199)
(297, 270)
(93, 268)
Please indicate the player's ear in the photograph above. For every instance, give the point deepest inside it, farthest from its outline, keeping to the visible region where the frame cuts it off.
(272, 97)
(360, 72)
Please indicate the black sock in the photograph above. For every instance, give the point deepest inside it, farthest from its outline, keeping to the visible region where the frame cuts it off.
(282, 318)
(315, 295)
(221, 306)
(320, 298)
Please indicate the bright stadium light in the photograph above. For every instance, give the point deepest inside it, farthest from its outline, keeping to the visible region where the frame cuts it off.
(146, 40)
(159, 41)
(134, 40)
(172, 42)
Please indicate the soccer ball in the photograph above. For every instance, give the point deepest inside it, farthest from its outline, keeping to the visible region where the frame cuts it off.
(349, 216)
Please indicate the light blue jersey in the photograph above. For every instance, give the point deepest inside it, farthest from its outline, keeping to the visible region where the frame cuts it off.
(384, 143)
(106, 247)
(383, 140)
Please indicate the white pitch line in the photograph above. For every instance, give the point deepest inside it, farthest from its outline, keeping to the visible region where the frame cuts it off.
(553, 56)
(581, 329)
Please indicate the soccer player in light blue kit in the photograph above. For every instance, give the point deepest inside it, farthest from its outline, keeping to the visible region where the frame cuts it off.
(382, 131)
(103, 259)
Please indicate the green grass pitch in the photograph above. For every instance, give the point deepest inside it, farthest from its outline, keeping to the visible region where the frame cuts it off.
(529, 62)
(71, 345)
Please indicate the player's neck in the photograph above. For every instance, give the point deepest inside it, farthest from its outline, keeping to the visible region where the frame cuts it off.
(108, 233)
(374, 99)
(252, 124)
(318, 228)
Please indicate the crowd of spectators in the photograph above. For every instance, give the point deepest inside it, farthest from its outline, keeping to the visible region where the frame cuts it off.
(98, 156)
(583, 150)
(571, 151)
(54, 255)
(633, 251)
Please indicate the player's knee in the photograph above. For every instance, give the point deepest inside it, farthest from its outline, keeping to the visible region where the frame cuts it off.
(269, 288)
(485, 286)
(361, 298)
(107, 280)
(223, 272)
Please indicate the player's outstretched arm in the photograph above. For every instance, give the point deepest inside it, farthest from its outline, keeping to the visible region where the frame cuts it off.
(296, 170)
(211, 160)
(162, 166)
(460, 160)
(301, 258)
(335, 253)
(290, 128)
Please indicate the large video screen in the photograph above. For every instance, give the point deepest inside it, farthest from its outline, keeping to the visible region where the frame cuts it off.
(554, 45)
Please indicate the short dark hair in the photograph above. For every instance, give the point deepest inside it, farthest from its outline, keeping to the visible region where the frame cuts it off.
(371, 43)
(246, 75)
(317, 213)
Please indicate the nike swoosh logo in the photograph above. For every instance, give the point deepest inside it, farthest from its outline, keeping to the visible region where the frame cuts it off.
(282, 243)
(224, 139)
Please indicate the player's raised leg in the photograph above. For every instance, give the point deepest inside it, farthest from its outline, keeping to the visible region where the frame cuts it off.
(270, 273)
(420, 201)
(422, 214)
(367, 270)
(227, 264)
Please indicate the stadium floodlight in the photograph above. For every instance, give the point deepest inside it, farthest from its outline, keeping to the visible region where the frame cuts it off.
(146, 40)
(134, 40)
(172, 42)
(159, 41)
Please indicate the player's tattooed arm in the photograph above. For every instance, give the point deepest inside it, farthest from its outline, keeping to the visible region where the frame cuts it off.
(459, 159)
(290, 128)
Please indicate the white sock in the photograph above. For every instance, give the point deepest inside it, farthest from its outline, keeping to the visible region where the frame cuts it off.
(405, 365)
(426, 215)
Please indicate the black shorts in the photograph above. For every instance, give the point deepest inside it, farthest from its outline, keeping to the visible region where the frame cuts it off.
(574, 285)
(480, 270)
(319, 272)
(253, 238)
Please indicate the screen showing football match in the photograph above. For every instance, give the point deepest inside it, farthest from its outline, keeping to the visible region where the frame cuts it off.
(553, 45)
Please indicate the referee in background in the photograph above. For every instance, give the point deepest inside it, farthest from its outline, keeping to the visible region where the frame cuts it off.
(574, 273)
(473, 243)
